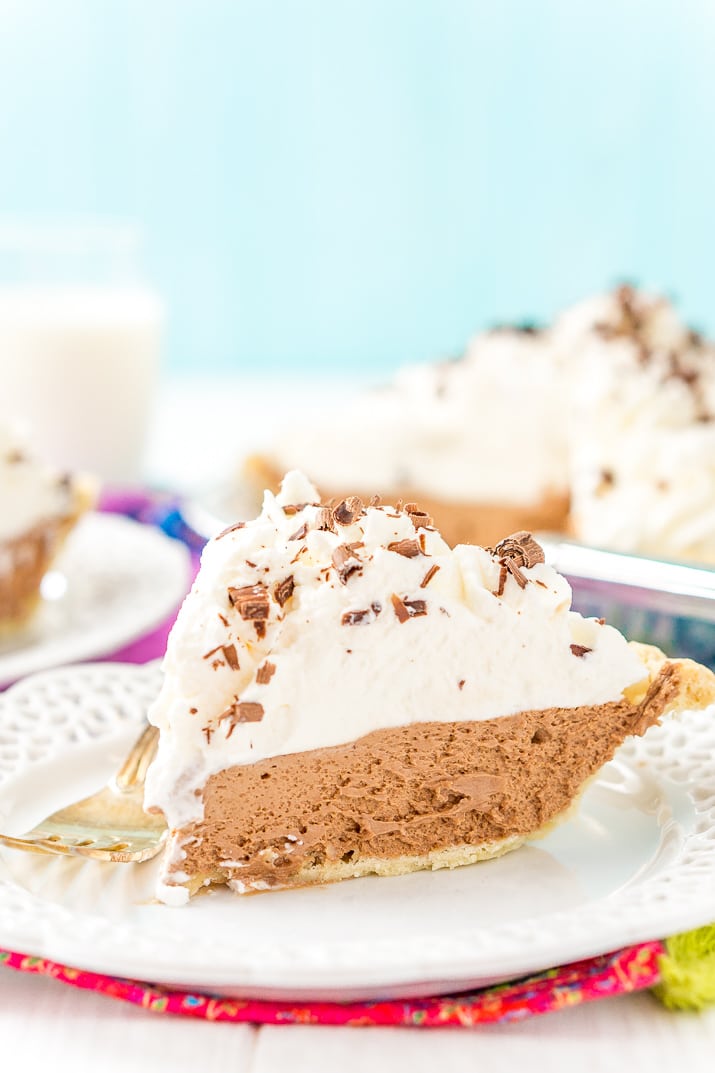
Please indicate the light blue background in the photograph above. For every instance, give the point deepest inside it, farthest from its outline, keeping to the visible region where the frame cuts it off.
(341, 185)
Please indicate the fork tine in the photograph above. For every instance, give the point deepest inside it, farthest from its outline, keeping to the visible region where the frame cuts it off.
(33, 846)
(47, 847)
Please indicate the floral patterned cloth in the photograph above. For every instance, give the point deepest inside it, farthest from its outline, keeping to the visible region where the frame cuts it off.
(633, 968)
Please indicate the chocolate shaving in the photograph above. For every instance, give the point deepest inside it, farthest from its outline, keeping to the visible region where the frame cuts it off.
(242, 712)
(223, 619)
(679, 372)
(212, 652)
(630, 322)
(346, 562)
(405, 609)
(521, 548)
(208, 731)
(357, 618)
(294, 508)
(580, 650)
(251, 601)
(419, 518)
(229, 652)
(375, 501)
(283, 590)
(516, 573)
(408, 548)
(428, 576)
(300, 532)
(346, 512)
(265, 672)
(230, 529)
(606, 481)
(193, 711)
(514, 552)
(324, 519)
(692, 378)
(460, 683)
(503, 574)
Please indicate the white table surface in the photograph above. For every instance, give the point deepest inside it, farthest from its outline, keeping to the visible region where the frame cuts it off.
(199, 429)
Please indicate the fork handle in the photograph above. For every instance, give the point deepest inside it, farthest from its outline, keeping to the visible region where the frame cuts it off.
(134, 768)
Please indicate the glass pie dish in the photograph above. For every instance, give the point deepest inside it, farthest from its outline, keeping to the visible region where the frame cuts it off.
(668, 604)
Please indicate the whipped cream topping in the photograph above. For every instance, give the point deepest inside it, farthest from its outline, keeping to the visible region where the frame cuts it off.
(611, 406)
(642, 452)
(453, 430)
(491, 427)
(311, 627)
(30, 491)
(622, 313)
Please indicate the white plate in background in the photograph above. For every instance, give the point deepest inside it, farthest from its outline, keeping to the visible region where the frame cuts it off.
(114, 581)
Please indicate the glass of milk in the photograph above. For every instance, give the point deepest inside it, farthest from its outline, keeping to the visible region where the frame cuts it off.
(80, 343)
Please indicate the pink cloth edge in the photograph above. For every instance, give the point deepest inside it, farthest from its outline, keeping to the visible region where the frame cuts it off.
(633, 968)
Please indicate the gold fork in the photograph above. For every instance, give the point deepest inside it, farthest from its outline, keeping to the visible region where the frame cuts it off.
(111, 825)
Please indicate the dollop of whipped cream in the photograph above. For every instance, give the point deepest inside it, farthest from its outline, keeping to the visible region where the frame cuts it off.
(312, 626)
(624, 313)
(642, 447)
(454, 430)
(642, 434)
(30, 491)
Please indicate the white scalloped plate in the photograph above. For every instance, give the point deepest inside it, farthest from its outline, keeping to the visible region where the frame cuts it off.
(114, 581)
(636, 862)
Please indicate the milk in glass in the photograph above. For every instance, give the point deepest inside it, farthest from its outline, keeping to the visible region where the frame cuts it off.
(80, 347)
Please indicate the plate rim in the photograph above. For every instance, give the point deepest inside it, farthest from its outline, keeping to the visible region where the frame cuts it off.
(468, 962)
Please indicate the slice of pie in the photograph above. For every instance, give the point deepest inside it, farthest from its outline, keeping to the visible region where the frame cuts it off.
(38, 508)
(344, 694)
